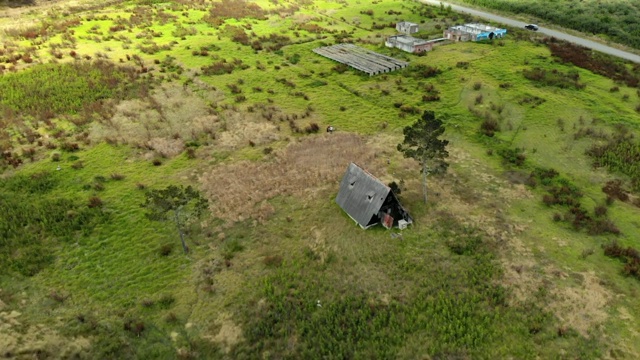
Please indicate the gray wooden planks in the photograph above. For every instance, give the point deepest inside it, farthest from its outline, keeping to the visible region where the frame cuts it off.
(361, 59)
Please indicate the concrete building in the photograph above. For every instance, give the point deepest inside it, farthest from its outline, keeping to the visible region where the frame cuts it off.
(407, 27)
(474, 32)
(409, 43)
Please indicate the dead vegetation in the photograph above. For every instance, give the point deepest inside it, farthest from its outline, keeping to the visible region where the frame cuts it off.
(18, 340)
(242, 190)
(162, 122)
(239, 129)
(598, 63)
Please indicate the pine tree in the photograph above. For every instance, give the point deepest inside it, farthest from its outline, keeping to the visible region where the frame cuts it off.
(179, 204)
(422, 143)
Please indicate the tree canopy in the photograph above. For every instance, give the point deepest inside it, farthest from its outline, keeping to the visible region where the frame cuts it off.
(422, 143)
(177, 203)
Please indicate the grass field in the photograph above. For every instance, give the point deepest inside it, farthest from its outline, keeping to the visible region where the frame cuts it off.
(505, 261)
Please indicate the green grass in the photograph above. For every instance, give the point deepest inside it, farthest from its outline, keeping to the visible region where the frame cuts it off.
(445, 289)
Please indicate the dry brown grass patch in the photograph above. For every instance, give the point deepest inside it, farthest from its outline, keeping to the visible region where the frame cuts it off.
(241, 129)
(18, 338)
(166, 147)
(582, 307)
(162, 121)
(229, 334)
(239, 191)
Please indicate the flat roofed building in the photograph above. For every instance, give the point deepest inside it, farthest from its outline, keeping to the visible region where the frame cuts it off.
(409, 43)
(407, 27)
(474, 32)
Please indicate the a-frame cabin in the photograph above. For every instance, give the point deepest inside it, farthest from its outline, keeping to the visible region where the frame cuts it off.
(368, 201)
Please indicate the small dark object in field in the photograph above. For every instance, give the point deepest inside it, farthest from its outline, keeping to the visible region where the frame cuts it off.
(165, 250)
(94, 202)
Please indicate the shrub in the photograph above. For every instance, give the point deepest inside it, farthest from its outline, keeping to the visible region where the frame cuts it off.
(294, 59)
(94, 202)
(395, 187)
(116, 176)
(218, 68)
(69, 147)
(171, 318)
(513, 156)
(477, 86)
(55, 157)
(408, 109)
(156, 162)
(166, 301)
(629, 255)
(602, 226)
(489, 127)
(57, 297)
(600, 210)
(134, 326)
(313, 128)
(340, 68)
(586, 253)
(166, 249)
(77, 165)
(422, 71)
(614, 189)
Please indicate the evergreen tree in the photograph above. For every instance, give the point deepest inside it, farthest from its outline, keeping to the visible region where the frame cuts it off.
(179, 204)
(422, 143)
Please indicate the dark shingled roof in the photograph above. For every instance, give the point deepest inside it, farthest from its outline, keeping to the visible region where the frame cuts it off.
(361, 195)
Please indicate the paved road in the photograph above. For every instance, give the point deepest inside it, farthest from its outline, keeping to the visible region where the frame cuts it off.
(557, 34)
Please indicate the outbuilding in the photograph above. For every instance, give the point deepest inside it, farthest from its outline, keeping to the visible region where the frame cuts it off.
(407, 27)
(474, 32)
(368, 201)
(409, 43)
